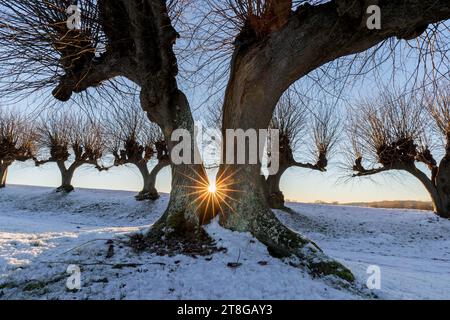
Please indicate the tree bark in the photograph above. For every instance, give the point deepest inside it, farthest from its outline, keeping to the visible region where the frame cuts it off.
(3, 174)
(439, 190)
(248, 209)
(274, 195)
(442, 207)
(183, 219)
(66, 176)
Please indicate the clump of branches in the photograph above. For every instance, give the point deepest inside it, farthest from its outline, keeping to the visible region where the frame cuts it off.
(325, 132)
(35, 39)
(70, 140)
(294, 118)
(17, 141)
(387, 131)
(393, 131)
(133, 139)
(260, 16)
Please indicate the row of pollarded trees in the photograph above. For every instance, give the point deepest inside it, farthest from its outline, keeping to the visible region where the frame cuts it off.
(136, 142)
(274, 43)
(391, 132)
(403, 132)
(72, 140)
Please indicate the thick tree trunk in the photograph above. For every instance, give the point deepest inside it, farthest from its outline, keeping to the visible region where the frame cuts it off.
(3, 174)
(66, 177)
(262, 70)
(442, 204)
(248, 211)
(182, 221)
(439, 190)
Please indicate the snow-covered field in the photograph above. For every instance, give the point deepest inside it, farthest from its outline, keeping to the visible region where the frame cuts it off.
(42, 232)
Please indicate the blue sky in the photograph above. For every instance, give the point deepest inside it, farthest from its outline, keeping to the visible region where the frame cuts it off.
(297, 184)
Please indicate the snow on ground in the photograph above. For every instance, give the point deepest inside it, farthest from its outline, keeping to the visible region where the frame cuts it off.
(411, 247)
(42, 232)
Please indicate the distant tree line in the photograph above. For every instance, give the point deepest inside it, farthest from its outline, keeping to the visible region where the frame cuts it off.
(394, 131)
(71, 140)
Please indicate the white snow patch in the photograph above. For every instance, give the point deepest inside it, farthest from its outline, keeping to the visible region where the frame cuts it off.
(42, 232)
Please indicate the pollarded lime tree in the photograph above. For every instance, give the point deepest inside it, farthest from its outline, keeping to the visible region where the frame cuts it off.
(17, 141)
(293, 119)
(94, 48)
(133, 139)
(277, 43)
(393, 132)
(70, 140)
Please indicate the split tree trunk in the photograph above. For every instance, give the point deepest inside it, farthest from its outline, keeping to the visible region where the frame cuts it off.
(149, 191)
(66, 177)
(3, 174)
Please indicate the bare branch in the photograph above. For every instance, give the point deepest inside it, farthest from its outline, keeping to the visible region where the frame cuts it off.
(17, 138)
(62, 134)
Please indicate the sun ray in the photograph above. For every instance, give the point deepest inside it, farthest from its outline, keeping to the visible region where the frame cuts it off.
(212, 198)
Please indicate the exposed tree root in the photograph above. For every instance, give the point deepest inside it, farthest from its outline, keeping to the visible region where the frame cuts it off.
(173, 234)
(65, 189)
(253, 215)
(147, 195)
(282, 242)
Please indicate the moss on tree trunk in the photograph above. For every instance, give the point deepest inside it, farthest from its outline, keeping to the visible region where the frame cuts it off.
(249, 211)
